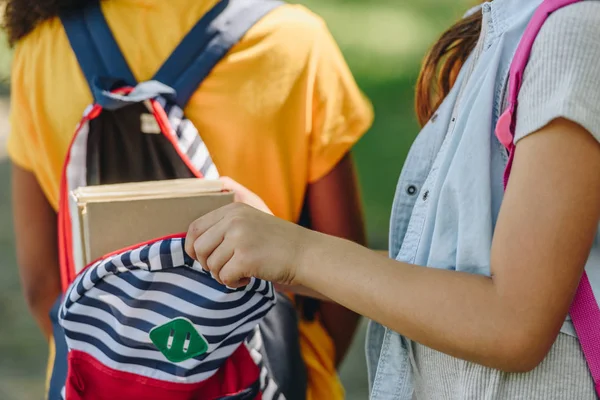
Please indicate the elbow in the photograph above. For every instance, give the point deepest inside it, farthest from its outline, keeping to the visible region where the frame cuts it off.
(519, 362)
(35, 298)
(521, 352)
(40, 291)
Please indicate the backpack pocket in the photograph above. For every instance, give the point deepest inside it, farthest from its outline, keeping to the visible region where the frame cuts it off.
(89, 379)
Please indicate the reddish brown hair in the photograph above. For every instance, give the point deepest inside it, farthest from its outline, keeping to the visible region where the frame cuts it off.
(442, 64)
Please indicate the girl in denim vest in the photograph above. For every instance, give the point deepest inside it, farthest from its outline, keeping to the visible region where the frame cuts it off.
(474, 301)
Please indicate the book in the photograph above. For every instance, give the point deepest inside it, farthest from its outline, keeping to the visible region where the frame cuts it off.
(108, 218)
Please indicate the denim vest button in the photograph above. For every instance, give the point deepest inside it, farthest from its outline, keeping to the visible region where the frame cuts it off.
(411, 190)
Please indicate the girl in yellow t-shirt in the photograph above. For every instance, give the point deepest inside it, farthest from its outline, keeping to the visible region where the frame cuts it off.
(297, 110)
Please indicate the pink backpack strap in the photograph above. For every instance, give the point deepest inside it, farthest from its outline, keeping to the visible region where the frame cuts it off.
(584, 310)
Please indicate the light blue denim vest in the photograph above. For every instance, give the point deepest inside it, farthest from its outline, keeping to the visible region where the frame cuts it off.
(449, 193)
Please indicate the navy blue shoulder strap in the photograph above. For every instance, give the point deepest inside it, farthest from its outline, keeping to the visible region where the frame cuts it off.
(208, 42)
(94, 45)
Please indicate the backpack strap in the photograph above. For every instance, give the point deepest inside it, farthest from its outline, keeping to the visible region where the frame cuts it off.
(584, 311)
(208, 42)
(585, 315)
(95, 47)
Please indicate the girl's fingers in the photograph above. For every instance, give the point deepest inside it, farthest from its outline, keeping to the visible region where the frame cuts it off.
(208, 242)
(233, 274)
(244, 195)
(229, 184)
(239, 191)
(217, 260)
(200, 226)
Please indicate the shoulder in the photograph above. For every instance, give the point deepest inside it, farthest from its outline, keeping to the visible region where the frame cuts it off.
(572, 24)
(293, 19)
(42, 38)
(562, 77)
(33, 53)
(290, 31)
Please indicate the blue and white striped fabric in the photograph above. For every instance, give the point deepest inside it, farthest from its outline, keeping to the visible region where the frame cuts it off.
(111, 307)
(189, 140)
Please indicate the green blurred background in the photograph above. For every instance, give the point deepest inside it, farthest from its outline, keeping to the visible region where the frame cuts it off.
(384, 42)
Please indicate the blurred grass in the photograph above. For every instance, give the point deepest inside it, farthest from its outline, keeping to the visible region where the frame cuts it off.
(383, 42)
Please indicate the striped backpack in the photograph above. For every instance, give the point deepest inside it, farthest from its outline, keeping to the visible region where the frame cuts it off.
(584, 311)
(147, 322)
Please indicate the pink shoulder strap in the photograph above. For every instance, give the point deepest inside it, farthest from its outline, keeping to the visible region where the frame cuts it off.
(584, 310)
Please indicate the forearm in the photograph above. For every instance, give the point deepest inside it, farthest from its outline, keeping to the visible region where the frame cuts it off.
(456, 313)
(37, 248)
(40, 303)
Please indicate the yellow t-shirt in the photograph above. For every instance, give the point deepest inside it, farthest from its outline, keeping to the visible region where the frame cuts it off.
(278, 112)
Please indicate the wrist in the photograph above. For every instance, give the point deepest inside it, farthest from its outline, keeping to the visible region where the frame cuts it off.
(305, 246)
(313, 250)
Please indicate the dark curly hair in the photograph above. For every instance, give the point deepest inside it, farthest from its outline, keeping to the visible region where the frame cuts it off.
(23, 16)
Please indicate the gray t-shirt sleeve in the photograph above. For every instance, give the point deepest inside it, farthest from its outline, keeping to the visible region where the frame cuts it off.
(562, 77)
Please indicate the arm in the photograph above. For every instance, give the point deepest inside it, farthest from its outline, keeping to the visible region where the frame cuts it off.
(542, 240)
(37, 250)
(545, 230)
(335, 209)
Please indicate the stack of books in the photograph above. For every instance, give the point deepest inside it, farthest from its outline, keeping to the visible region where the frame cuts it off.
(108, 218)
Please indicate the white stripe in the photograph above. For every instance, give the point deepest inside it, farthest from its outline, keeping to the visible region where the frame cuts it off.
(212, 172)
(157, 319)
(177, 303)
(70, 326)
(191, 285)
(270, 390)
(117, 262)
(256, 356)
(134, 257)
(87, 280)
(77, 167)
(198, 267)
(177, 253)
(154, 261)
(102, 336)
(123, 330)
(97, 333)
(261, 285)
(187, 365)
(142, 336)
(256, 342)
(174, 121)
(147, 315)
(263, 378)
(175, 116)
(87, 285)
(189, 133)
(200, 156)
